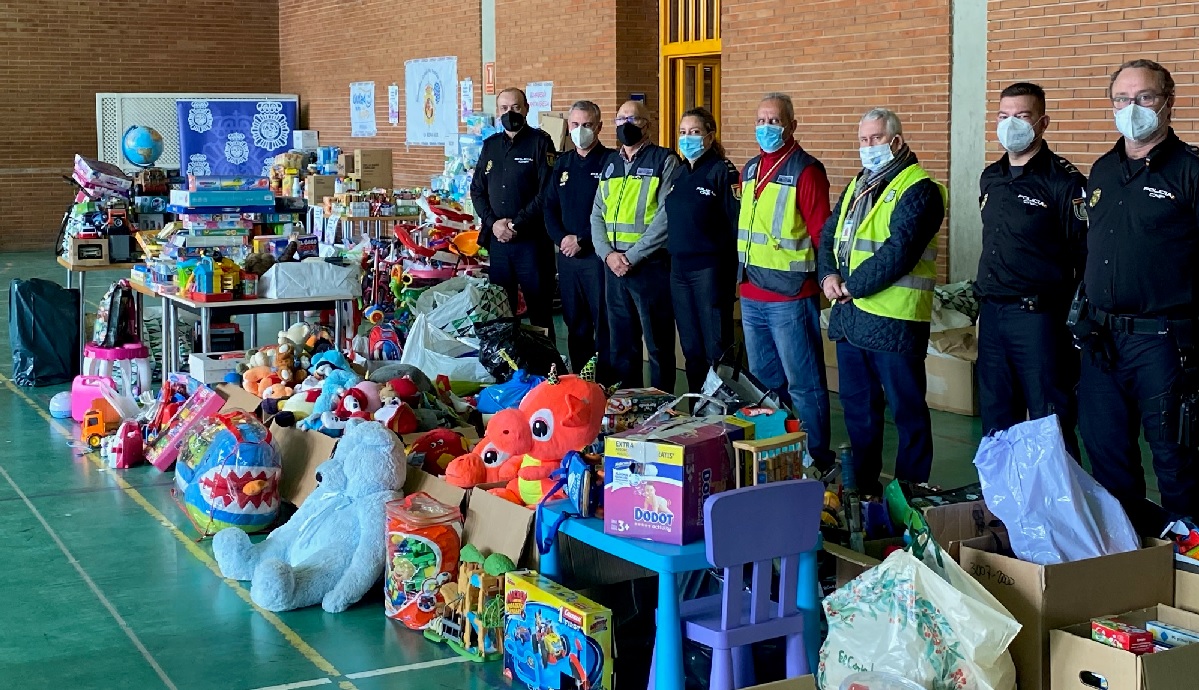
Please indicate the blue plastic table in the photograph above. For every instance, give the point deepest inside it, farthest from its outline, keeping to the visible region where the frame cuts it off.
(668, 561)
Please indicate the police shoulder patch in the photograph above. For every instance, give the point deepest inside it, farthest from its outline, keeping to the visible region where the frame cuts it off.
(551, 157)
(736, 189)
(750, 170)
(1080, 208)
(1065, 165)
(1095, 195)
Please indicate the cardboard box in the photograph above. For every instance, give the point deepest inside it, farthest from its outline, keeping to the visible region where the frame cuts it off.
(305, 139)
(317, 187)
(656, 480)
(549, 629)
(801, 683)
(345, 164)
(301, 452)
(1080, 662)
(555, 125)
(1045, 598)
(211, 367)
(373, 168)
(87, 252)
(851, 564)
(1186, 589)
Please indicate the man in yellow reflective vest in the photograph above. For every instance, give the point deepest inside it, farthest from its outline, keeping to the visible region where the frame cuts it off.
(628, 229)
(878, 255)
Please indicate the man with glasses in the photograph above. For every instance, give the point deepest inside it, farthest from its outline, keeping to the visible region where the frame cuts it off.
(568, 203)
(1034, 250)
(878, 265)
(1141, 284)
(628, 229)
(784, 203)
(513, 171)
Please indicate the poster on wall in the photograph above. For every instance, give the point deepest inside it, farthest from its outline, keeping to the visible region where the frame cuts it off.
(362, 109)
(234, 136)
(467, 97)
(393, 104)
(431, 101)
(541, 96)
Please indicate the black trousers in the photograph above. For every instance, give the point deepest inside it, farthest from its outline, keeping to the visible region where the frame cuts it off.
(639, 304)
(581, 285)
(1027, 369)
(703, 312)
(1141, 390)
(529, 268)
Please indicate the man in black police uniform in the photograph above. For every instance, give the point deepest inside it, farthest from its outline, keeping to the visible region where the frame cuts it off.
(568, 204)
(1034, 250)
(514, 169)
(1138, 330)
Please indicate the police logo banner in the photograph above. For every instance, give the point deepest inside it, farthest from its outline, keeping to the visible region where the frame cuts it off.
(431, 101)
(234, 136)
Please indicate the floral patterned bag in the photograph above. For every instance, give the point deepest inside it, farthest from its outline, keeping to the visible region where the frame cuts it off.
(920, 616)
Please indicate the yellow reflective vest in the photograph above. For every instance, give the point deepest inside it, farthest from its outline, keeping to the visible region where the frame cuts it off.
(631, 197)
(773, 243)
(911, 297)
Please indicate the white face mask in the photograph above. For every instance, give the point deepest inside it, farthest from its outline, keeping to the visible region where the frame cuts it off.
(1137, 122)
(874, 158)
(583, 137)
(1015, 135)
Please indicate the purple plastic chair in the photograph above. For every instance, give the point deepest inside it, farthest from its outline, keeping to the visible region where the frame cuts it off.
(754, 526)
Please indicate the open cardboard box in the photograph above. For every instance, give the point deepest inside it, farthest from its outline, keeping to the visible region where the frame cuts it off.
(1079, 662)
(801, 683)
(301, 452)
(1045, 598)
(1186, 587)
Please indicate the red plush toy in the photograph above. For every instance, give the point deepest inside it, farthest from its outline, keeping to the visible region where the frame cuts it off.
(498, 455)
(353, 405)
(436, 449)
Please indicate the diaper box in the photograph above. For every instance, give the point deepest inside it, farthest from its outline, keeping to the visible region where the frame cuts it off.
(656, 479)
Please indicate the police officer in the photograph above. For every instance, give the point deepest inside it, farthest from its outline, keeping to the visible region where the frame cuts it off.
(568, 203)
(514, 169)
(1138, 331)
(1034, 249)
(628, 228)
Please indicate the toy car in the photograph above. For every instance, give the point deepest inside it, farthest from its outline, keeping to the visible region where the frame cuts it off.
(94, 429)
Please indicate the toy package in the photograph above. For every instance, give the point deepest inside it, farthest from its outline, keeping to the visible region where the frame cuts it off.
(424, 538)
(165, 448)
(228, 475)
(472, 620)
(628, 408)
(555, 639)
(656, 479)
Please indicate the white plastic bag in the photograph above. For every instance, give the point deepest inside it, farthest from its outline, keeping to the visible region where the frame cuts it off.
(935, 626)
(476, 301)
(1054, 511)
(436, 353)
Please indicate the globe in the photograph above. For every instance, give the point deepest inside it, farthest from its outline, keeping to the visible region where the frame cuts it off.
(142, 146)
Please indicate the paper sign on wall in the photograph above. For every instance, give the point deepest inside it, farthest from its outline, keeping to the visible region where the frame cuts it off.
(362, 109)
(393, 104)
(467, 97)
(541, 96)
(431, 101)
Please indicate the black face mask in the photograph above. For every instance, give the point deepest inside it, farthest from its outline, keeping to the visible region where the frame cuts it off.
(512, 121)
(629, 134)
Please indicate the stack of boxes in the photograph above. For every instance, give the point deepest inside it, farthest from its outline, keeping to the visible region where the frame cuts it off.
(211, 215)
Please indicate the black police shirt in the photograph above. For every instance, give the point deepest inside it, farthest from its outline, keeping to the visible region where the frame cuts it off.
(510, 180)
(571, 196)
(1143, 242)
(1034, 228)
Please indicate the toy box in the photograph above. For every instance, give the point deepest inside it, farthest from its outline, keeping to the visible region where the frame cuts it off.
(630, 407)
(553, 638)
(656, 479)
(215, 198)
(163, 452)
(1116, 633)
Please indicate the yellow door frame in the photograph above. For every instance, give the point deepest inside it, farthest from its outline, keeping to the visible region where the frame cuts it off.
(671, 64)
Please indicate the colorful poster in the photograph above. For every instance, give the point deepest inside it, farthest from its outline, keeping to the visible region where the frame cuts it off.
(362, 109)
(431, 101)
(541, 96)
(467, 98)
(234, 136)
(393, 105)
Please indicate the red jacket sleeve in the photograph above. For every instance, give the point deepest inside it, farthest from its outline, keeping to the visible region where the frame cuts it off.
(811, 200)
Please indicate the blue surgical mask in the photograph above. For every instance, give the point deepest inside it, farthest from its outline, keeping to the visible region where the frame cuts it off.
(691, 146)
(770, 137)
(1137, 122)
(874, 158)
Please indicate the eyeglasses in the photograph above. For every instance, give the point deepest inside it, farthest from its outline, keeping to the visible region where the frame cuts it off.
(1142, 99)
(634, 119)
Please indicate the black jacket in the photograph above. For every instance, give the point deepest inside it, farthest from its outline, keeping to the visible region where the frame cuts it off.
(570, 197)
(1143, 243)
(915, 221)
(509, 182)
(1034, 229)
(702, 211)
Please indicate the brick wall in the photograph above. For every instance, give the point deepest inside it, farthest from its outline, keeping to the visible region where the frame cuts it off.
(1072, 48)
(324, 46)
(637, 51)
(57, 57)
(837, 59)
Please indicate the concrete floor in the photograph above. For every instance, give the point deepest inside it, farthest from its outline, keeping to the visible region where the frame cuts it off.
(103, 586)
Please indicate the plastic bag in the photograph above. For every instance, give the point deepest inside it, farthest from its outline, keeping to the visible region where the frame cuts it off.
(43, 332)
(734, 386)
(1054, 511)
(507, 395)
(456, 305)
(532, 350)
(924, 619)
(436, 353)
